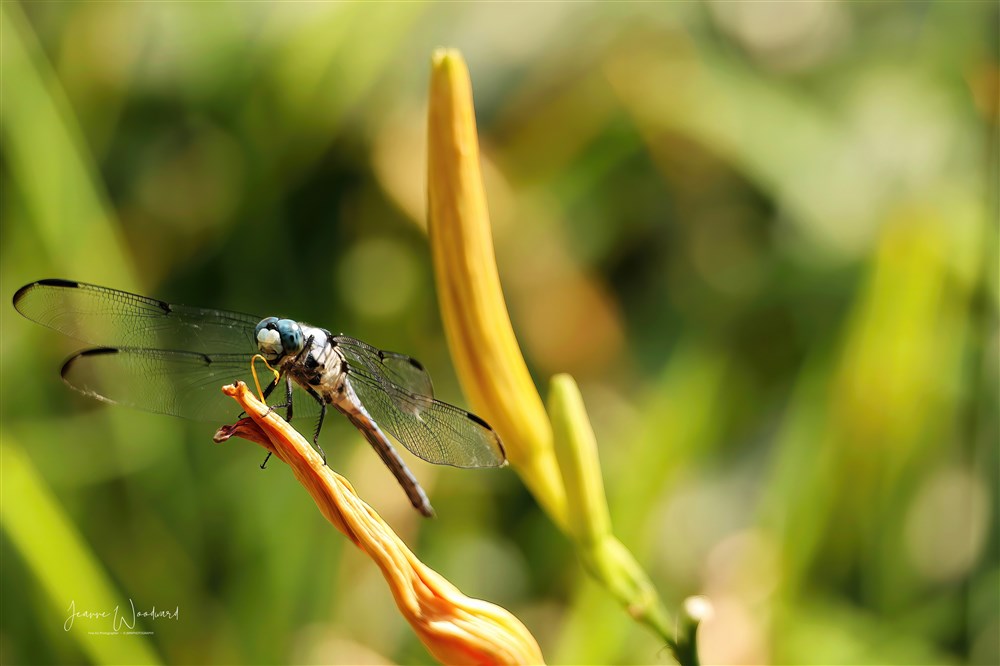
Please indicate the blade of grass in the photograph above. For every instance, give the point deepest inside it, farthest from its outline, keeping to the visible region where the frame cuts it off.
(60, 559)
(50, 164)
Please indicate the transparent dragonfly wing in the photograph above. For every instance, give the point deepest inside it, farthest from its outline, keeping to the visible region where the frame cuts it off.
(112, 318)
(404, 371)
(178, 383)
(430, 429)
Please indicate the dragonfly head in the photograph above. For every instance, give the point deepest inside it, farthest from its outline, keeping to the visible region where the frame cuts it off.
(277, 338)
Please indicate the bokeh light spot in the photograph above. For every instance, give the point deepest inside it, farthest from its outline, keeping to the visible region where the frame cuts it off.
(378, 277)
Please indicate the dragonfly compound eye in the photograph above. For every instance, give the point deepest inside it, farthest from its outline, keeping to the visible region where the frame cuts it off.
(268, 338)
(291, 336)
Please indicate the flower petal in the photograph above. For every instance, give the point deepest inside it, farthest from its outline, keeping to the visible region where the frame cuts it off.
(455, 628)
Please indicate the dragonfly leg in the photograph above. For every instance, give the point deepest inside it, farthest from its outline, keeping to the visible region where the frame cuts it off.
(305, 349)
(288, 385)
(288, 399)
(270, 388)
(287, 406)
(319, 426)
(267, 393)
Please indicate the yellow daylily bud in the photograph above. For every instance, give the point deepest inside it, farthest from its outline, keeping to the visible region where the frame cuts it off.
(482, 342)
(456, 629)
(589, 520)
(576, 451)
(490, 365)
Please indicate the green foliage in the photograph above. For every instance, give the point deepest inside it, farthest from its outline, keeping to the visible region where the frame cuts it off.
(763, 243)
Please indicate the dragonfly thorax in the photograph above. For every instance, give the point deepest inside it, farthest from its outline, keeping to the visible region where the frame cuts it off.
(318, 367)
(277, 338)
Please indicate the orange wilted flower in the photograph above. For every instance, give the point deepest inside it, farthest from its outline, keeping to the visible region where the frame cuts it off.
(456, 629)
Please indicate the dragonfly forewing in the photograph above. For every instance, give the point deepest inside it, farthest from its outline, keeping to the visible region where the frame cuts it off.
(111, 318)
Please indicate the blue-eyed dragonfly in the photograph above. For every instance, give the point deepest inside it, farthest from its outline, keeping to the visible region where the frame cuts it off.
(173, 359)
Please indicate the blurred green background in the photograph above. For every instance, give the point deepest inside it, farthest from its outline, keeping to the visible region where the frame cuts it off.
(763, 237)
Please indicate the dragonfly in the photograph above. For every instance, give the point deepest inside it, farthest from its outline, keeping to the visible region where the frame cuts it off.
(173, 359)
